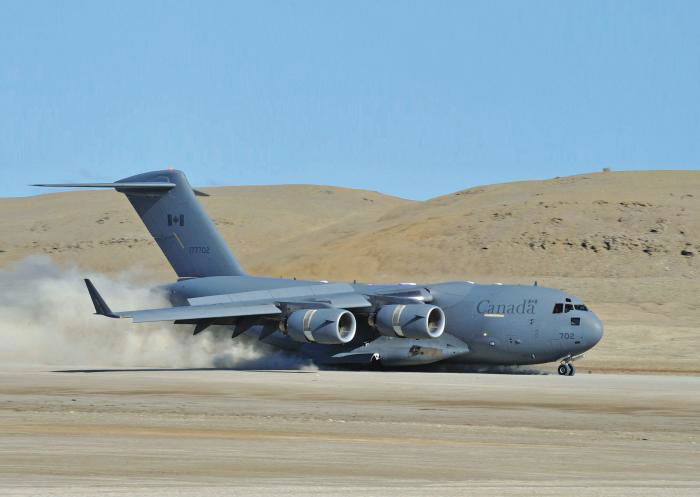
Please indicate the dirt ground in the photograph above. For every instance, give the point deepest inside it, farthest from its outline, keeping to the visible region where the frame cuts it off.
(224, 432)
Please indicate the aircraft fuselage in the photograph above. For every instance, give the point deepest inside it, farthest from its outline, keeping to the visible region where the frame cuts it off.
(485, 324)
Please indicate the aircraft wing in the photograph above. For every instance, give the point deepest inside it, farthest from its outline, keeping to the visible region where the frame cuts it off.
(267, 303)
(188, 312)
(193, 312)
(341, 295)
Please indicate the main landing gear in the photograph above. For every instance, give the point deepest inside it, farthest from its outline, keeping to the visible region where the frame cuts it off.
(566, 369)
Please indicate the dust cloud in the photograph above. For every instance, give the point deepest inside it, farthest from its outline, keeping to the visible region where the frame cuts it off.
(46, 319)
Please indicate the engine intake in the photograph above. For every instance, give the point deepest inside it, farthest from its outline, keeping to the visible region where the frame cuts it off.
(410, 321)
(326, 326)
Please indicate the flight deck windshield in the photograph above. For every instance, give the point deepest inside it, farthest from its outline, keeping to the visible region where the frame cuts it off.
(568, 307)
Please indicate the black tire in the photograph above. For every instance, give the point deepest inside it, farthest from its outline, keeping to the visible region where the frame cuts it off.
(375, 364)
(563, 370)
(572, 369)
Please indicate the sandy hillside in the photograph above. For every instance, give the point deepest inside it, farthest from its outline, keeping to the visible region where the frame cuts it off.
(100, 230)
(628, 243)
(609, 225)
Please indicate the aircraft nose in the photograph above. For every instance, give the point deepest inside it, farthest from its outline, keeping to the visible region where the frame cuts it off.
(594, 330)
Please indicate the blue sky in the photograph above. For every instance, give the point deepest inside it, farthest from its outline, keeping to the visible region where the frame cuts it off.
(414, 99)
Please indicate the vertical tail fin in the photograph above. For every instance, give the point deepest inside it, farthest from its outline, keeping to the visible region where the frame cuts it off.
(178, 223)
(166, 203)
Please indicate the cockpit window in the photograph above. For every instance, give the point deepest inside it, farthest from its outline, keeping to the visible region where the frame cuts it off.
(561, 307)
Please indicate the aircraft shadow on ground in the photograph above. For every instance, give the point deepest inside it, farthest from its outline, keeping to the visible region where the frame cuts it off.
(152, 370)
(467, 368)
(512, 370)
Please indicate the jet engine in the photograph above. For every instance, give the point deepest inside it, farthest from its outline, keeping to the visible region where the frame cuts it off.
(327, 326)
(410, 321)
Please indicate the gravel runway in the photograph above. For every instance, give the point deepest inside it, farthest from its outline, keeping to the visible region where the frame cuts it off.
(226, 432)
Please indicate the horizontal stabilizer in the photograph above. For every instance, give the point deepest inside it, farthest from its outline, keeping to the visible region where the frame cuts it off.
(143, 185)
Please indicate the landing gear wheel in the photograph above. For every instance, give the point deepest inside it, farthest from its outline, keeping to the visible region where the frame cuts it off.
(571, 368)
(375, 363)
(563, 369)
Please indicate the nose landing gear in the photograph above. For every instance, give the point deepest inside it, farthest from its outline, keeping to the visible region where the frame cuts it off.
(566, 369)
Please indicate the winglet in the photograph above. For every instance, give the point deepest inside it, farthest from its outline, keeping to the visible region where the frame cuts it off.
(101, 306)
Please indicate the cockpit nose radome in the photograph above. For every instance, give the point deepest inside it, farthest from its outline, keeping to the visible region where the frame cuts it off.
(594, 330)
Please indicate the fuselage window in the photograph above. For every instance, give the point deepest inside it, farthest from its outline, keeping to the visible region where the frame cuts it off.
(575, 321)
(558, 308)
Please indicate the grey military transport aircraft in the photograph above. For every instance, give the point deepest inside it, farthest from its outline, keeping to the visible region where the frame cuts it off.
(360, 325)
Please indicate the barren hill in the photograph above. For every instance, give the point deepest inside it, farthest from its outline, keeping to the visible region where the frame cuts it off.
(627, 242)
(607, 224)
(100, 230)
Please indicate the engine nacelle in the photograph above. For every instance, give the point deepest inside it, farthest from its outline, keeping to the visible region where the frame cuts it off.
(410, 321)
(327, 326)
